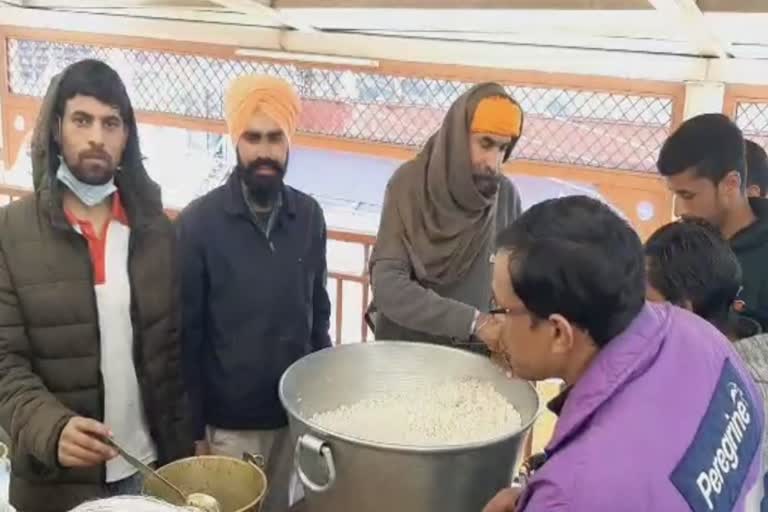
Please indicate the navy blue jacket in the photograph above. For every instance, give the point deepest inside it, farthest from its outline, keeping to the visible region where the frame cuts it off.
(251, 306)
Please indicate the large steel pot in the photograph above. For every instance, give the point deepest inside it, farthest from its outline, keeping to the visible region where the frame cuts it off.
(237, 485)
(343, 473)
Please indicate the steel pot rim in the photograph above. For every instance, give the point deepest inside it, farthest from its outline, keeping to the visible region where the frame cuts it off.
(401, 448)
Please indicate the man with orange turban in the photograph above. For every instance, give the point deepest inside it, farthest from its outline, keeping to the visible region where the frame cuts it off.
(431, 266)
(253, 286)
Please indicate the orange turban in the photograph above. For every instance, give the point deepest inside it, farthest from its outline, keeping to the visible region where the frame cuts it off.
(272, 96)
(498, 115)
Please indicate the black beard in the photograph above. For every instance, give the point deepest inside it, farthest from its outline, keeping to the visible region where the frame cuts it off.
(88, 170)
(263, 189)
(487, 184)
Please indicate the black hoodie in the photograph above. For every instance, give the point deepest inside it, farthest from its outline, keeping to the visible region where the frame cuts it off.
(751, 247)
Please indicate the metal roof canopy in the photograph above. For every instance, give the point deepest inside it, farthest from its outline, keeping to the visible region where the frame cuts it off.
(672, 40)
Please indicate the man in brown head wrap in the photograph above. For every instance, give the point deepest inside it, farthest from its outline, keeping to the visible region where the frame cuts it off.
(431, 266)
(253, 286)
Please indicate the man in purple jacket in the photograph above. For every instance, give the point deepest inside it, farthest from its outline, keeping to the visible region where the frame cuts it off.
(659, 413)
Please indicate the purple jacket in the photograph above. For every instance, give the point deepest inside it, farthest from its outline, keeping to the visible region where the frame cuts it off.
(666, 419)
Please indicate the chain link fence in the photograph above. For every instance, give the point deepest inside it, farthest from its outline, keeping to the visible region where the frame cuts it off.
(752, 118)
(569, 126)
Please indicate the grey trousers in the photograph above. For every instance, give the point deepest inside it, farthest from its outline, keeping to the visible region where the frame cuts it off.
(275, 447)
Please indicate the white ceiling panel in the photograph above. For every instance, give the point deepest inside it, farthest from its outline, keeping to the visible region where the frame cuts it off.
(650, 44)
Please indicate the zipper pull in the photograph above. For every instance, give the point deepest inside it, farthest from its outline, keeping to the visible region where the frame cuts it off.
(271, 246)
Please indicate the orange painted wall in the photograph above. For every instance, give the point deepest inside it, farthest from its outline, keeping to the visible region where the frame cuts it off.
(624, 189)
(23, 111)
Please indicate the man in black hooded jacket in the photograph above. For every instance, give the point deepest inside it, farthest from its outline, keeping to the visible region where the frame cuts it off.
(705, 165)
(89, 344)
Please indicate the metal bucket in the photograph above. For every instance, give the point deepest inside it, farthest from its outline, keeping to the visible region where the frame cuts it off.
(237, 485)
(343, 473)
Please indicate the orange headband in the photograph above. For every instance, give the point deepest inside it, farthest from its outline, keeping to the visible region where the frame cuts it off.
(499, 116)
(250, 94)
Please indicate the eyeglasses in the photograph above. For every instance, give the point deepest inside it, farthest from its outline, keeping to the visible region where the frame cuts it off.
(516, 311)
(474, 342)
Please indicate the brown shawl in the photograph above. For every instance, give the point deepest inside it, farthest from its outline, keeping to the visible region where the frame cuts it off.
(434, 216)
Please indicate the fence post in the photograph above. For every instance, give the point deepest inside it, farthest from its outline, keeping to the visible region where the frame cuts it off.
(702, 97)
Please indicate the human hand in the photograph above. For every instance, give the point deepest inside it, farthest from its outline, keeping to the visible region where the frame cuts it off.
(505, 501)
(488, 330)
(81, 443)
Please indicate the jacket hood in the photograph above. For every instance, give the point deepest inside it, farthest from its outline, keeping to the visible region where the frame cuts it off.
(624, 358)
(756, 234)
(140, 195)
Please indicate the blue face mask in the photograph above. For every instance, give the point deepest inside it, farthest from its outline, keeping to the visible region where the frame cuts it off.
(90, 195)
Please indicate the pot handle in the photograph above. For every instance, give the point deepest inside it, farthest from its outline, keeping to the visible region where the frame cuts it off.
(319, 448)
(254, 459)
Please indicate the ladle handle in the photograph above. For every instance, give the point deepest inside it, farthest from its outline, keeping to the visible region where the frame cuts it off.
(147, 472)
(255, 459)
(320, 449)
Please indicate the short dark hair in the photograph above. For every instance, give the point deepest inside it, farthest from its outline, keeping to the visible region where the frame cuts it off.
(576, 257)
(689, 261)
(757, 166)
(711, 144)
(96, 79)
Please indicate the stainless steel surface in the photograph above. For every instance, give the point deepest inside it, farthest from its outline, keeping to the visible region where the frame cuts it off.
(175, 495)
(349, 474)
(237, 485)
